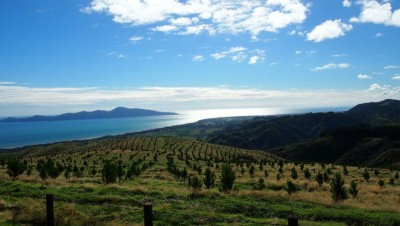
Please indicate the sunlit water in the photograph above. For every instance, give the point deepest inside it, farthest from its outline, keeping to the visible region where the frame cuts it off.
(16, 134)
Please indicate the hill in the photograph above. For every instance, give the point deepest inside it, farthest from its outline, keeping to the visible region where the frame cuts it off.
(119, 112)
(267, 133)
(105, 182)
(356, 145)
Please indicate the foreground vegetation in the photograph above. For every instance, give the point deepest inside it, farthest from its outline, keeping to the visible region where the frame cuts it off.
(189, 182)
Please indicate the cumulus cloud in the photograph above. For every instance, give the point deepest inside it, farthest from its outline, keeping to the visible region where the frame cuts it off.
(346, 3)
(329, 29)
(331, 66)
(373, 11)
(254, 59)
(198, 16)
(232, 50)
(362, 76)
(198, 58)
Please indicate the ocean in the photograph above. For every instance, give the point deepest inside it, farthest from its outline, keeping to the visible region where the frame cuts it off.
(18, 134)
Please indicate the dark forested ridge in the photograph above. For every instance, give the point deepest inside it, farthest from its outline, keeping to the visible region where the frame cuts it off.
(269, 133)
(355, 145)
(119, 112)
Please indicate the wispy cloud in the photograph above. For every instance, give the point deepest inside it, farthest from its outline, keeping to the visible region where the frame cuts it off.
(240, 53)
(214, 17)
(198, 58)
(136, 38)
(331, 66)
(391, 67)
(190, 97)
(397, 77)
(7, 83)
(329, 29)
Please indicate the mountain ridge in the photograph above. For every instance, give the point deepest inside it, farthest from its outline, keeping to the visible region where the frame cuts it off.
(119, 112)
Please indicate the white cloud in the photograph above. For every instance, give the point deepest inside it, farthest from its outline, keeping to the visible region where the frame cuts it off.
(254, 59)
(378, 35)
(331, 66)
(186, 97)
(198, 58)
(136, 38)
(117, 55)
(346, 3)
(240, 53)
(362, 76)
(329, 29)
(165, 28)
(397, 77)
(339, 55)
(391, 67)
(212, 16)
(378, 13)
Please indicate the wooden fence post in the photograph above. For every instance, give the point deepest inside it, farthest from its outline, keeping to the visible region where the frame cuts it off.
(50, 209)
(148, 213)
(293, 221)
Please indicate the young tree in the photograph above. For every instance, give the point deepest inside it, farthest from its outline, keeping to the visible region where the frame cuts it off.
(260, 185)
(266, 173)
(251, 170)
(366, 175)
(109, 173)
(320, 179)
(15, 168)
(345, 171)
(353, 189)
(278, 176)
(196, 184)
(307, 173)
(396, 176)
(227, 178)
(338, 191)
(381, 183)
(290, 187)
(209, 178)
(294, 173)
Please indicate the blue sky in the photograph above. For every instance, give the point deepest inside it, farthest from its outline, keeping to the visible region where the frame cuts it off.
(71, 55)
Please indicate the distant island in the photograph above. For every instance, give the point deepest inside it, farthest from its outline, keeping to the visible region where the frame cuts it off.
(119, 112)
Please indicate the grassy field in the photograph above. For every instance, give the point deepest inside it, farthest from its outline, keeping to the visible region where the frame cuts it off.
(84, 199)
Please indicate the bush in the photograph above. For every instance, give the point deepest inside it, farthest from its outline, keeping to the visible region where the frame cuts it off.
(366, 176)
(307, 173)
(338, 191)
(381, 183)
(294, 173)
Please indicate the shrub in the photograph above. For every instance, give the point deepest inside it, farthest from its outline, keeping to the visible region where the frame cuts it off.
(260, 185)
(251, 171)
(338, 191)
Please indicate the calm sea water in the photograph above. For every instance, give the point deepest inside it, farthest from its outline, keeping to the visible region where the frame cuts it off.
(29, 133)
